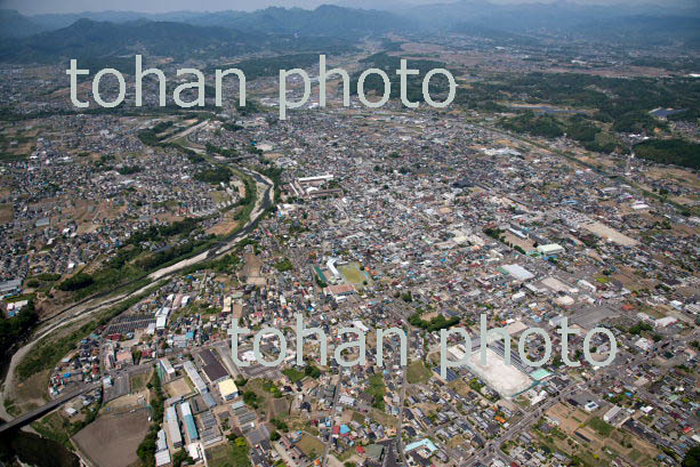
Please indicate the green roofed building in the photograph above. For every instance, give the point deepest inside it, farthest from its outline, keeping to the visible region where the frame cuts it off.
(321, 275)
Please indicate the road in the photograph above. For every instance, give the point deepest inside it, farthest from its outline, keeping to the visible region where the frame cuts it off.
(186, 132)
(399, 314)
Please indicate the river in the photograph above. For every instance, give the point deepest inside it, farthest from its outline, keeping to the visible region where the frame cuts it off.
(34, 450)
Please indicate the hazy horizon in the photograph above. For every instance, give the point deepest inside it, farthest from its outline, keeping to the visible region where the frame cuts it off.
(33, 7)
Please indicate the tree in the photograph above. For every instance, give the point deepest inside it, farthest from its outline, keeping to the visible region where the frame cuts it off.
(312, 371)
(692, 457)
(77, 282)
(241, 381)
(181, 457)
(280, 425)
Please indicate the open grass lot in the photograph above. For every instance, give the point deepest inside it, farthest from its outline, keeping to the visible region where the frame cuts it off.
(358, 417)
(418, 372)
(112, 440)
(354, 275)
(228, 455)
(603, 428)
(294, 374)
(256, 386)
(54, 426)
(460, 387)
(384, 418)
(218, 455)
(311, 446)
(138, 381)
(267, 404)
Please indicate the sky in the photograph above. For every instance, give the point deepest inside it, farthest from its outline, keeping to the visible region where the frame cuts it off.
(159, 6)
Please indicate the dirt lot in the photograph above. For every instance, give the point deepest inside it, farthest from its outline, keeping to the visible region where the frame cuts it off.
(112, 440)
(178, 388)
(226, 226)
(6, 214)
(126, 402)
(32, 392)
(570, 419)
(525, 244)
(279, 408)
(385, 419)
(251, 270)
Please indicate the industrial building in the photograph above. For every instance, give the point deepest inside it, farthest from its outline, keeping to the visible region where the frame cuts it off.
(212, 367)
(551, 249)
(228, 389)
(173, 426)
(194, 376)
(189, 423)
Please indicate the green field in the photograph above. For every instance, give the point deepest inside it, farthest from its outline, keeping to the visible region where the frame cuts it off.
(603, 428)
(294, 374)
(354, 275)
(54, 427)
(235, 453)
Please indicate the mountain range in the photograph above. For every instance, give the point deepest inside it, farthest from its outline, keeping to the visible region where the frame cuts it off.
(46, 37)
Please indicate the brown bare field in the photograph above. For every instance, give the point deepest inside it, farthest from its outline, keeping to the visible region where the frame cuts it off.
(251, 269)
(385, 419)
(279, 408)
(127, 401)
(178, 388)
(273, 155)
(569, 418)
(112, 440)
(7, 214)
(525, 243)
(680, 176)
(32, 392)
(227, 225)
(633, 282)
(5, 187)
